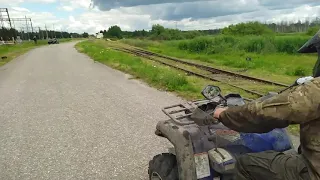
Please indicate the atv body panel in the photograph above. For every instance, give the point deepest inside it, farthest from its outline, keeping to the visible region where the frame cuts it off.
(192, 143)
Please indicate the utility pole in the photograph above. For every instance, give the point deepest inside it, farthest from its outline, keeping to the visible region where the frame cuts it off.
(39, 33)
(27, 27)
(5, 17)
(54, 32)
(31, 26)
(21, 30)
(2, 24)
(14, 28)
(46, 31)
(8, 17)
(12, 20)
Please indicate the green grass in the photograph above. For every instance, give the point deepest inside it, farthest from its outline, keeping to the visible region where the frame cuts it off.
(283, 67)
(156, 75)
(295, 130)
(278, 66)
(12, 51)
(153, 73)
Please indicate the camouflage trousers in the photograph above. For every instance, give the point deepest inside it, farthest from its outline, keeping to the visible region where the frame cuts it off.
(271, 165)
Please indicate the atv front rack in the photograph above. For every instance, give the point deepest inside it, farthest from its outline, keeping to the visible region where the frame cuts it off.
(180, 113)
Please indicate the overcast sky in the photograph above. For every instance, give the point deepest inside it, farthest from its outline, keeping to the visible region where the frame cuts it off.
(79, 16)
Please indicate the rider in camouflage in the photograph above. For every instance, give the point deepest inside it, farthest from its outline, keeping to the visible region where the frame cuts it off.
(298, 105)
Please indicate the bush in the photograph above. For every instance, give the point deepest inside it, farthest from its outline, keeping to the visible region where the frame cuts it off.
(254, 44)
(257, 44)
(139, 43)
(113, 32)
(313, 30)
(249, 28)
(290, 44)
(210, 45)
(298, 71)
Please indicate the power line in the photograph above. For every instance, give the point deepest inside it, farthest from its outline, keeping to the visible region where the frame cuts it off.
(24, 26)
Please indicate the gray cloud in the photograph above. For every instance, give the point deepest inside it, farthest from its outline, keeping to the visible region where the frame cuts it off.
(111, 4)
(278, 4)
(176, 10)
(293, 2)
(198, 10)
(143, 17)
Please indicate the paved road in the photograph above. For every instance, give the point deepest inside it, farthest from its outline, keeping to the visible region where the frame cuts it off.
(62, 116)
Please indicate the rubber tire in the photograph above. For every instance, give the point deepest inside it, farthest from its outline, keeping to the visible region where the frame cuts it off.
(165, 165)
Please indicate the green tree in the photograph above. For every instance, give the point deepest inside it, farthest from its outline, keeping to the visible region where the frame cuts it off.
(157, 29)
(313, 30)
(85, 35)
(7, 33)
(249, 28)
(114, 31)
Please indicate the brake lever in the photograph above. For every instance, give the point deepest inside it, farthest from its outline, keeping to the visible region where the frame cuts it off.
(201, 118)
(214, 120)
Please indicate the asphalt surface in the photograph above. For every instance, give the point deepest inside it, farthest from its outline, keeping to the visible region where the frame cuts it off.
(62, 116)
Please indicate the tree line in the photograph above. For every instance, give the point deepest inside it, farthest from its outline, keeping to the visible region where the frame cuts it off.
(292, 27)
(159, 32)
(9, 33)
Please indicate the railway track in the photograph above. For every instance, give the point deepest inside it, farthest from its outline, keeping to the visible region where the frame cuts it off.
(212, 69)
(151, 56)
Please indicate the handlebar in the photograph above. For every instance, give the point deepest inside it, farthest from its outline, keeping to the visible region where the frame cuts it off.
(299, 81)
(201, 112)
(291, 86)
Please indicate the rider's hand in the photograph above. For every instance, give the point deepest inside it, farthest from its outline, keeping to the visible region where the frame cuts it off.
(218, 111)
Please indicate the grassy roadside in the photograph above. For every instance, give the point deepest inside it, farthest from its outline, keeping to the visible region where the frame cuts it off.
(277, 66)
(13, 51)
(155, 74)
(259, 87)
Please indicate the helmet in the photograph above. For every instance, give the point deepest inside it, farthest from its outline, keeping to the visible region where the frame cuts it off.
(311, 45)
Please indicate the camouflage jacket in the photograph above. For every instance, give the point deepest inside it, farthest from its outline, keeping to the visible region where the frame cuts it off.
(299, 105)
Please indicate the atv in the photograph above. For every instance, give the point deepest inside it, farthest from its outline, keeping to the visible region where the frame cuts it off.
(203, 147)
(53, 41)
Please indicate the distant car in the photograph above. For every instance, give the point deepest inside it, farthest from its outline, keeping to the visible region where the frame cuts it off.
(53, 41)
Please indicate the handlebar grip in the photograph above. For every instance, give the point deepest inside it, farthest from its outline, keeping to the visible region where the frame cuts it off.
(295, 84)
(215, 121)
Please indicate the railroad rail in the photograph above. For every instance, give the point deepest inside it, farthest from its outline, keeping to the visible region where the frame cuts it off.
(126, 50)
(211, 69)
